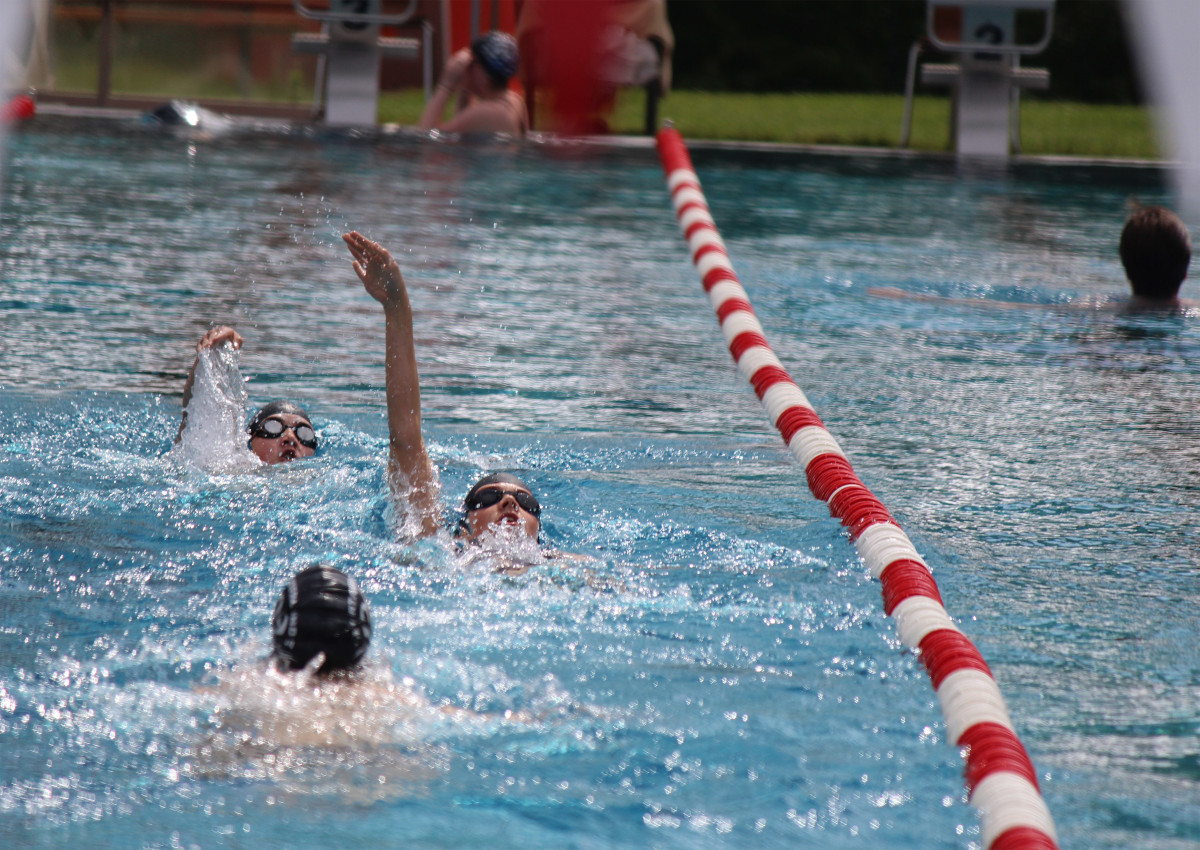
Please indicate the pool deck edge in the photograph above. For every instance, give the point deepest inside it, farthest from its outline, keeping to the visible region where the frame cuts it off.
(619, 142)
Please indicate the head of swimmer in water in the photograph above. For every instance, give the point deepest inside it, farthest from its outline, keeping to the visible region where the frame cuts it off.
(282, 431)
(499, 500)
(1155, 250)
(321, 611)
(494, 58)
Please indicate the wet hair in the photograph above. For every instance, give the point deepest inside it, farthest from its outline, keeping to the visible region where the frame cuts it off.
(1155, 251)
(321, 610)
(274, 408)
(496, 52)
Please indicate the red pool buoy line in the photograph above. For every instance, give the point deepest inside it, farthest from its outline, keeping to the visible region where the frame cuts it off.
(1000, 778)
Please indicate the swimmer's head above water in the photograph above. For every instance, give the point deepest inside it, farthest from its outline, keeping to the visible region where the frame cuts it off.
(282, 431)
(498, 500)
(496, 53)
(1155, 250)
(321, 611)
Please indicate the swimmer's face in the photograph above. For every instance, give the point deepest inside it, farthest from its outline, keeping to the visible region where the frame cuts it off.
(506, 509)
(276, 440)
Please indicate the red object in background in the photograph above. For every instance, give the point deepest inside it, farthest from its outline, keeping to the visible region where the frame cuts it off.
(501, 13)
(18, 108)
(561, 49)
(493, 15)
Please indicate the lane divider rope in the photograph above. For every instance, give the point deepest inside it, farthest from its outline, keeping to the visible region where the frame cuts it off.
(1000, 778)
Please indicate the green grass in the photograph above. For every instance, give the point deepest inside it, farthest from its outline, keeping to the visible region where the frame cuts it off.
(401, 107)
(1081, 129)
(1047, 127)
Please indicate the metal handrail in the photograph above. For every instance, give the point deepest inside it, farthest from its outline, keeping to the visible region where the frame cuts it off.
(352, 17)
(910, 84)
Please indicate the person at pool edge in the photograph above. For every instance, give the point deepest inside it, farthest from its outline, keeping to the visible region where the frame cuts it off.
(279, 432)
(1155, 251)
(496, 501)
(477, 78)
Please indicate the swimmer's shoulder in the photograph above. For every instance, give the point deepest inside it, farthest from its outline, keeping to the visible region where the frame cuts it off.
(1099, 304)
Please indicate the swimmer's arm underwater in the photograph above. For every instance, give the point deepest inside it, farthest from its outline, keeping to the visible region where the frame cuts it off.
(217, 336)
(410, 466)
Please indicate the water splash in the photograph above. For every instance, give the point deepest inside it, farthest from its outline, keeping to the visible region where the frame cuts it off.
(504, 549)
(214, 437)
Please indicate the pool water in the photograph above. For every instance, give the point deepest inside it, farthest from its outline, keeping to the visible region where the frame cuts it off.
(722, 673)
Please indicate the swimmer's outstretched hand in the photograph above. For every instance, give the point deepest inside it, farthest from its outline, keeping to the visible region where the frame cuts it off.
(217, 336)
(379, 273)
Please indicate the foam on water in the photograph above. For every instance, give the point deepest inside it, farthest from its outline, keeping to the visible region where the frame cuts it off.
(214, 436)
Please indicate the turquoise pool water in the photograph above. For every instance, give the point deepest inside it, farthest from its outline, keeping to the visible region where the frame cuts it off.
(723, 674)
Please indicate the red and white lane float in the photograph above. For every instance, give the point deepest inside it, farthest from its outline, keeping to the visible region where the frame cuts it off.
(1000, 778)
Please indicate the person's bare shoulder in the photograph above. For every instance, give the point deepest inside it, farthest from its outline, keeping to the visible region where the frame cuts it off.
(484, 117)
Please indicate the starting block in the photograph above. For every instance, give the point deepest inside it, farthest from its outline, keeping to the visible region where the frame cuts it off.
(987, 78)
(350, 50)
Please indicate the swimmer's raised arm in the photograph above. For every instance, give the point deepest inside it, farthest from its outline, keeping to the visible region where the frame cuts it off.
(449, 86)
(411, 469)
(217, 336)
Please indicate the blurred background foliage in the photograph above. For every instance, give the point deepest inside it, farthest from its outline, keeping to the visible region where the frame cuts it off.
(862, 46)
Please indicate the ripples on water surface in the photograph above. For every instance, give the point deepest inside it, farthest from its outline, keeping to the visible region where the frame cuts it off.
(723, 675)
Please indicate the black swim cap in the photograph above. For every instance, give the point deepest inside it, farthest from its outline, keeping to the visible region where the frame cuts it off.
(494, 478)
(276, 407)
(497, 53)
(321, 610)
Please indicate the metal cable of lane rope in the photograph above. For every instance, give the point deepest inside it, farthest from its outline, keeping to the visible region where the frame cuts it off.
(1001, 782)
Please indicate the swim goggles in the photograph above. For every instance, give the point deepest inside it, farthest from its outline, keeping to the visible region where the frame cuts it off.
(489, 496)
(272, 429)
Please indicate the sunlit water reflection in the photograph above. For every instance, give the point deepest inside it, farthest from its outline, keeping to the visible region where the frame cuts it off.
(719, 672)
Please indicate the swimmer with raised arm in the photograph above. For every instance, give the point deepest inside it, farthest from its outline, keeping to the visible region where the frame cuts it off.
(497, 502)
(280, 431)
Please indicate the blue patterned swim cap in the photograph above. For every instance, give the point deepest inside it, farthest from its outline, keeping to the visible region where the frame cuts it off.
(497, 53)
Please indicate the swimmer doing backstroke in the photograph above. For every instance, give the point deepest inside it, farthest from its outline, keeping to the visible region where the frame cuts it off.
(497, 501)
(279, 432)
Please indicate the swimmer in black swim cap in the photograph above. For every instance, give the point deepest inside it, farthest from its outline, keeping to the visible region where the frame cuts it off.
(280, 431)
(321, 611)
(497, 500)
